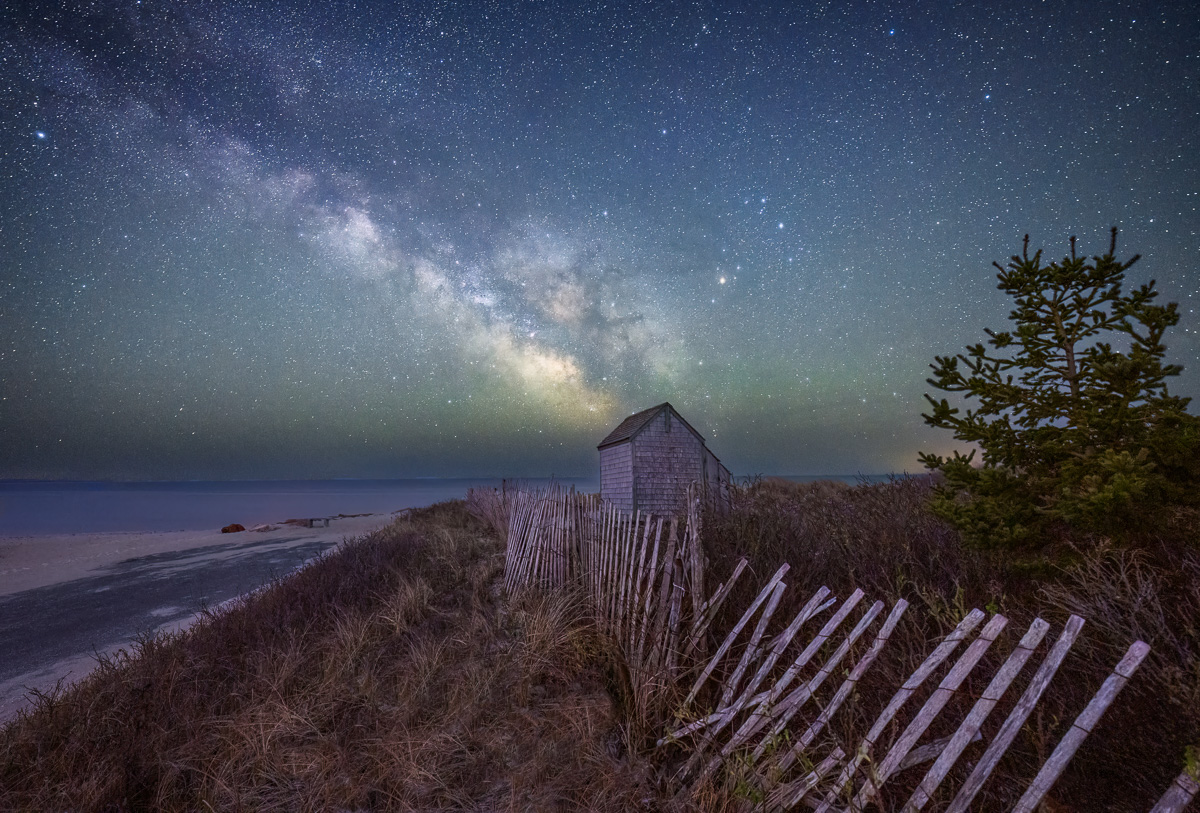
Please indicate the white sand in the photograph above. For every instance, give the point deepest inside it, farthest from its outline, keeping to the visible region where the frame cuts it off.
(29, 562)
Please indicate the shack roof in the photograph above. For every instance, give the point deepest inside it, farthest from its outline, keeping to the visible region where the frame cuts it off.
(638, 421)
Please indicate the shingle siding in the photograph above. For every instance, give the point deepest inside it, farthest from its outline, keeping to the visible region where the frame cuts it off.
(665, 462)
(616, 475)
(650, 467)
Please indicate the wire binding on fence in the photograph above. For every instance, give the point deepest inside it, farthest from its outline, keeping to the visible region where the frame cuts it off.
(644, 577)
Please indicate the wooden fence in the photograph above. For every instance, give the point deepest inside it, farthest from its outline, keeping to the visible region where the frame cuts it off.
(645, 579)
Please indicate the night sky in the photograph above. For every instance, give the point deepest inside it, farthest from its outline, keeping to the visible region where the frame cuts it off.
(311, 240)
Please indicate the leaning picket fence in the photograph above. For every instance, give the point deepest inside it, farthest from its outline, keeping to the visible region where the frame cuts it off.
(644, 577)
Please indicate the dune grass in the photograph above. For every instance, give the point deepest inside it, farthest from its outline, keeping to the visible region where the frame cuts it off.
(882, 538)
(387, 675)
(391, 674)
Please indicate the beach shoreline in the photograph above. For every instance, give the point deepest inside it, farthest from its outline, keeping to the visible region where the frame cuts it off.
(52, 562)
(30, 561)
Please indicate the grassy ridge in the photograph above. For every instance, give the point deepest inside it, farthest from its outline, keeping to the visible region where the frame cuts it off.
(391, 675)
(387, 675)
(883, 539)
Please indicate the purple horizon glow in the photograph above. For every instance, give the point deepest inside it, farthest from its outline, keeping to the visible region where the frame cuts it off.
(247, 240)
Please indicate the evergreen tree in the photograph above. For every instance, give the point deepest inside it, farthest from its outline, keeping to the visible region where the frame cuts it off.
(1073, 430)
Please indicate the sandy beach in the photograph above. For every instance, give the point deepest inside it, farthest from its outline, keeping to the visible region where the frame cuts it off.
(28, 562)
(40, 573)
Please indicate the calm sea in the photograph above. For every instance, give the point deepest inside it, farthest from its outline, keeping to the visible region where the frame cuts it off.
(57, 507)
(65, 507)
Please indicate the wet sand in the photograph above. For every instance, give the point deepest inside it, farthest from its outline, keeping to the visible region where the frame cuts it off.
(27, 562)
(63, 598)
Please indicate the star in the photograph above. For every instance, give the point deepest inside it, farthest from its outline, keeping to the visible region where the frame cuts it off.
(338, 215)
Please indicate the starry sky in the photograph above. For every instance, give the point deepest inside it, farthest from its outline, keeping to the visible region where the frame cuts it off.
(401, 239)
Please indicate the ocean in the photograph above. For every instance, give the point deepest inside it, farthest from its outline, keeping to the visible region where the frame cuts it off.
(41, 507)
(34, 508)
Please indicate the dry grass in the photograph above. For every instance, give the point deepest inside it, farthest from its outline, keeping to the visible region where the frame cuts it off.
(881, 538)
(386, 676)
(492, 506)
(390, 675)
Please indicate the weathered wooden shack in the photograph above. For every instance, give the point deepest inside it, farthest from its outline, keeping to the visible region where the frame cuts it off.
(647, 462)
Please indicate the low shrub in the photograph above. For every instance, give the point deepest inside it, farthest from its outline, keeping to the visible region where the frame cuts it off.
(386, 675)
(883, 539)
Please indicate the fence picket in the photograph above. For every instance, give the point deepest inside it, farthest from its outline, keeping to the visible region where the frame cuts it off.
(709, 608)
(650, 598)
(1082, 726)
(647, 600)
(732, 636)
(786, 797)
(1016, 718)
(790, 705)
(933, 706)
(660, 633)
(969, 730)
(866, 748)
(785, 761)
(1179, 795)
(731, 683)
(755, 648)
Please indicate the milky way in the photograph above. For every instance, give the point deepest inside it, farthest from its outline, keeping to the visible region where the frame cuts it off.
(245, 240)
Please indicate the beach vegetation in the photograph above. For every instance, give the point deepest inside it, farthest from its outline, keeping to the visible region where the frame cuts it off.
(1069, 410)
(885, 539)
(388, 675)
(394, 674)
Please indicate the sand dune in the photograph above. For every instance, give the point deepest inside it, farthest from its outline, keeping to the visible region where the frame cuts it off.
(28, 562)
(64, 568)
